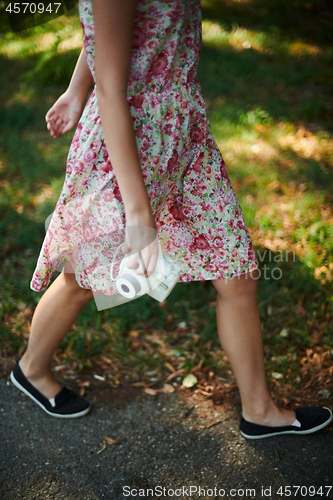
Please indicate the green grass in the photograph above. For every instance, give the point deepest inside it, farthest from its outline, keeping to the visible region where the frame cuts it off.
(267, 76)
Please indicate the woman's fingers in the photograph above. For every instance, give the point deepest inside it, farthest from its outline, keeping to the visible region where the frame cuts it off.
(67, 126)
(133, 261)
(152, 264)
(57, 125)
(144, 262)
(147, 265)
(144, 251)
(52, 120)
(49, 114)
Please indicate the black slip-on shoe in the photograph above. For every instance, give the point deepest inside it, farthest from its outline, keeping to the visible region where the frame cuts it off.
(66, 404)
(308, 419)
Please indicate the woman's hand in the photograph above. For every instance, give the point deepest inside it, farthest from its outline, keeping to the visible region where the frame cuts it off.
(64, 114)
(142, 239)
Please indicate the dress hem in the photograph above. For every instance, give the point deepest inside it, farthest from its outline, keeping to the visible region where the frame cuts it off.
(245, 270)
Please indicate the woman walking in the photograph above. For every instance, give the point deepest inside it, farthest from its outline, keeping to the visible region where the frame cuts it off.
(143, 156)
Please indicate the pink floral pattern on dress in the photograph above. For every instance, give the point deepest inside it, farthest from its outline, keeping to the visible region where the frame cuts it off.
(199, 220)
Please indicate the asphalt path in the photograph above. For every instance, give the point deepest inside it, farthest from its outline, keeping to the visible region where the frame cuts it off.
(164, 452)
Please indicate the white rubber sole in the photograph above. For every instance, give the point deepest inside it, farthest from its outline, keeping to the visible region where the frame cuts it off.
(308, 431)
(58, 415)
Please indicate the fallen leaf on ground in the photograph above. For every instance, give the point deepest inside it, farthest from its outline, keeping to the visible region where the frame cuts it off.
(155, 338)
(60, 367)
(284, 332)
(174, 375)
(112, 441)
(107, 360)
(134, 333)
(168, 388)
(138, 343)
(170, 367)
(102, 449)
(274, 185)
(85, 384)
(207, 394)
(210, 425)
(151, 392)
(190, 381)
(199, 365)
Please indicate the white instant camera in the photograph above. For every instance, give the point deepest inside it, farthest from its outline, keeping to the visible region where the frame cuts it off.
(165, 276)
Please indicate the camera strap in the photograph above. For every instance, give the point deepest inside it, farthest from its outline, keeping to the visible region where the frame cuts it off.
(112, 264)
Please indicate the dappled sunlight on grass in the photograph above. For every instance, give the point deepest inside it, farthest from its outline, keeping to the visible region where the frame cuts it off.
(306, 144)
(65, 31)
(239, 39)
(46, 192)
(73, 42)
(218, 36)
(14, 49)
(301, 49)
(266, 143)
(286, 199)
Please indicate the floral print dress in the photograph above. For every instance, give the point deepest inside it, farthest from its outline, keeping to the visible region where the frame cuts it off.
(198, 217)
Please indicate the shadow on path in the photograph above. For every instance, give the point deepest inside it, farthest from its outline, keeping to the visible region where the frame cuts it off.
(44, 457)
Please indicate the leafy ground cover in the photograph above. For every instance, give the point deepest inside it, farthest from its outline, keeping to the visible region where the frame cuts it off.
(266, 73)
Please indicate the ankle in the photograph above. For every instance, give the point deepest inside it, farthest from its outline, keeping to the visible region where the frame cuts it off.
(260, 411)
(269, 415)
(43, 380)
(32, 370)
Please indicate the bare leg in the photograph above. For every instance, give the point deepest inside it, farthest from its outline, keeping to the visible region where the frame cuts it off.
(54, 315)
(239, 329)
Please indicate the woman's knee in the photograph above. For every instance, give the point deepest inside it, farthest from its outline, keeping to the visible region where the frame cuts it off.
(244, 284)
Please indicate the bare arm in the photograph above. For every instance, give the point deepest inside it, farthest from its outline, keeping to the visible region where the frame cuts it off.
(81, 80)
(114, 20)
(66, 111)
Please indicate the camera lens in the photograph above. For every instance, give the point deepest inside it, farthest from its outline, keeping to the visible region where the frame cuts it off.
(128, 286)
